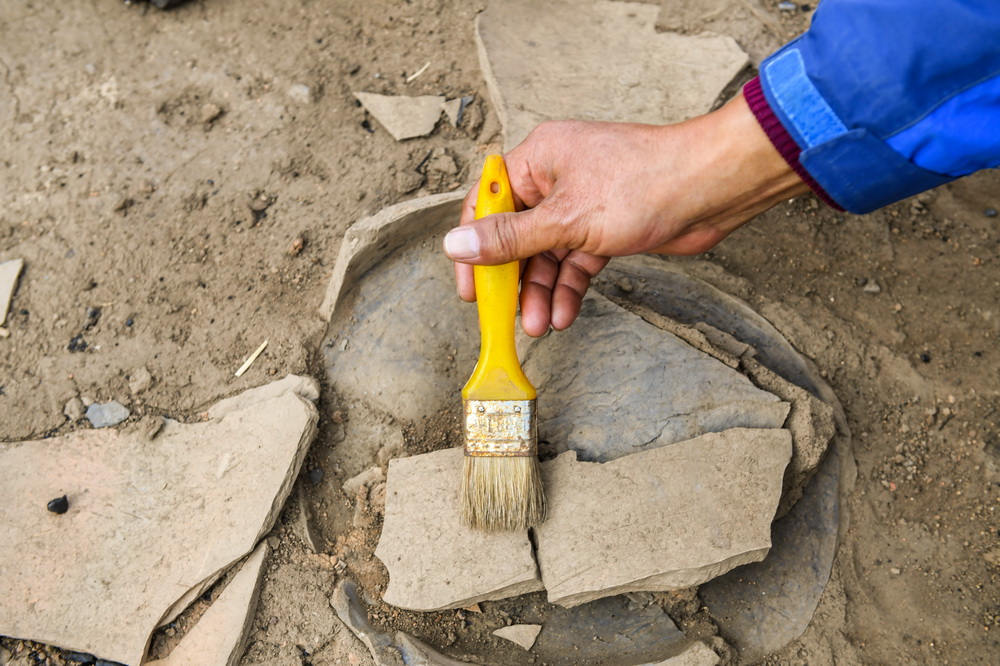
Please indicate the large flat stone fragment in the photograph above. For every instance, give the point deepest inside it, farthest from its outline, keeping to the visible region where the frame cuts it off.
(663, 519)
(596, 61)
(220, 635)
(434, 560)
(613, 384)
(403, 117)
(149, 519)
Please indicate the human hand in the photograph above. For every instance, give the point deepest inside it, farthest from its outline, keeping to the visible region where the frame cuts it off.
(596, 190)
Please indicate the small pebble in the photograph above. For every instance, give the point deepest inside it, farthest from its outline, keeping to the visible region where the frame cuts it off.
(77, 344)
(625, 285)
(300, 93)
(73, 410)
(990, 212)
(895, 571)
(871, 287)
(129, 321)
(925, 357)
(210, 112)
(102, 415)
(315, 476)
(58, 505)
(786, 6)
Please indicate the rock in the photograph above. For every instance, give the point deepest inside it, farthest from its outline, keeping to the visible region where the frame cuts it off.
(990, 212)
(74, 409)
(58, 505)
(366, 478)
(9, 272)
(871, 287)
(219, 637)
(434, 560)
(450, 109)
(622, 395)
(300, 93)
(993, 557)
(697, 654)
(715, 497)
(522, 634)
(209, 112)
(403, 117)
(194, 503)
(139, 380)
(104, 414)
(633, 72)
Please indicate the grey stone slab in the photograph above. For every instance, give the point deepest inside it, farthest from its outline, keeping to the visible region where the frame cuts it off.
(613, 384)
(596, 61)
(607, 631)
(149, 520)
(219, 636)
(668, 518)
(403, 117)
(434, 560)
(9, 272)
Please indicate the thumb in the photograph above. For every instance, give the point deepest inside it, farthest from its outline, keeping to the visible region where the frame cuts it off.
(504, 237)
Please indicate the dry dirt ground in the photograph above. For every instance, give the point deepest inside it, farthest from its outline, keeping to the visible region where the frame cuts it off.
(178, 198)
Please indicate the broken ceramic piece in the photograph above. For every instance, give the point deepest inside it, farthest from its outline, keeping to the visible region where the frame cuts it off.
(596, 61)
(521, 634)
(607, 631)
(434, 560)
(9, 272)
(403, 117)
(185, 505)
(610, 385)
(664, 519)
(386, 650)
(696, 654)
(219, 636)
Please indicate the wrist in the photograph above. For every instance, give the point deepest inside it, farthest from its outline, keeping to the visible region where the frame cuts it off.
(737, 168)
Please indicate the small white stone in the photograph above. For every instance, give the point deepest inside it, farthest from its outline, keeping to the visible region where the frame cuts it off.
(300, 93)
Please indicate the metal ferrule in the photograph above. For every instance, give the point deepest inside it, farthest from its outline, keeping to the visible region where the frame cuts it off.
(500, 428)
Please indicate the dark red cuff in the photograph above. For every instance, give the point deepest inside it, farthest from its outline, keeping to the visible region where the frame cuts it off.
(780, 137)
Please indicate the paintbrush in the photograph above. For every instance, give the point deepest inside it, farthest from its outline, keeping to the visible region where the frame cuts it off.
(502, 484)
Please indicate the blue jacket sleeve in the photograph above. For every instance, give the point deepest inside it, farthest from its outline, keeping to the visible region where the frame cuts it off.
(887, 98)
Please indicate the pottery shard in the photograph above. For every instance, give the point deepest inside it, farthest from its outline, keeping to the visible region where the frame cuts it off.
(596, 61)
(434, 560)
(220, 635)
(637, 387)
(403, 117)
(168, 515)
(522, 634)
(668, 518)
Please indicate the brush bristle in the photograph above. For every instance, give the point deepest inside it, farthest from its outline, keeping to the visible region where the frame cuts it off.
(502, 492)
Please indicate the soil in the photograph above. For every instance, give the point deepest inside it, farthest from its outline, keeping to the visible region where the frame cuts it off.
(155, 166)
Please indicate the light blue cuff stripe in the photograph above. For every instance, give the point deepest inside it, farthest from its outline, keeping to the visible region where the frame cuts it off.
(814, 122)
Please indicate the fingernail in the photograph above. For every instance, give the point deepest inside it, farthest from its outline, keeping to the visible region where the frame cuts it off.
(462, 243)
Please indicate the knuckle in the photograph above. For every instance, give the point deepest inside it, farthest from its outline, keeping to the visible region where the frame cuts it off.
(506, 239)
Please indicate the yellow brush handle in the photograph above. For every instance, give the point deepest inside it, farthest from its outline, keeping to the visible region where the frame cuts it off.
(498, 374)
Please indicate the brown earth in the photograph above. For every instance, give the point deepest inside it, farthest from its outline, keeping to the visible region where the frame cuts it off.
(153, 165)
